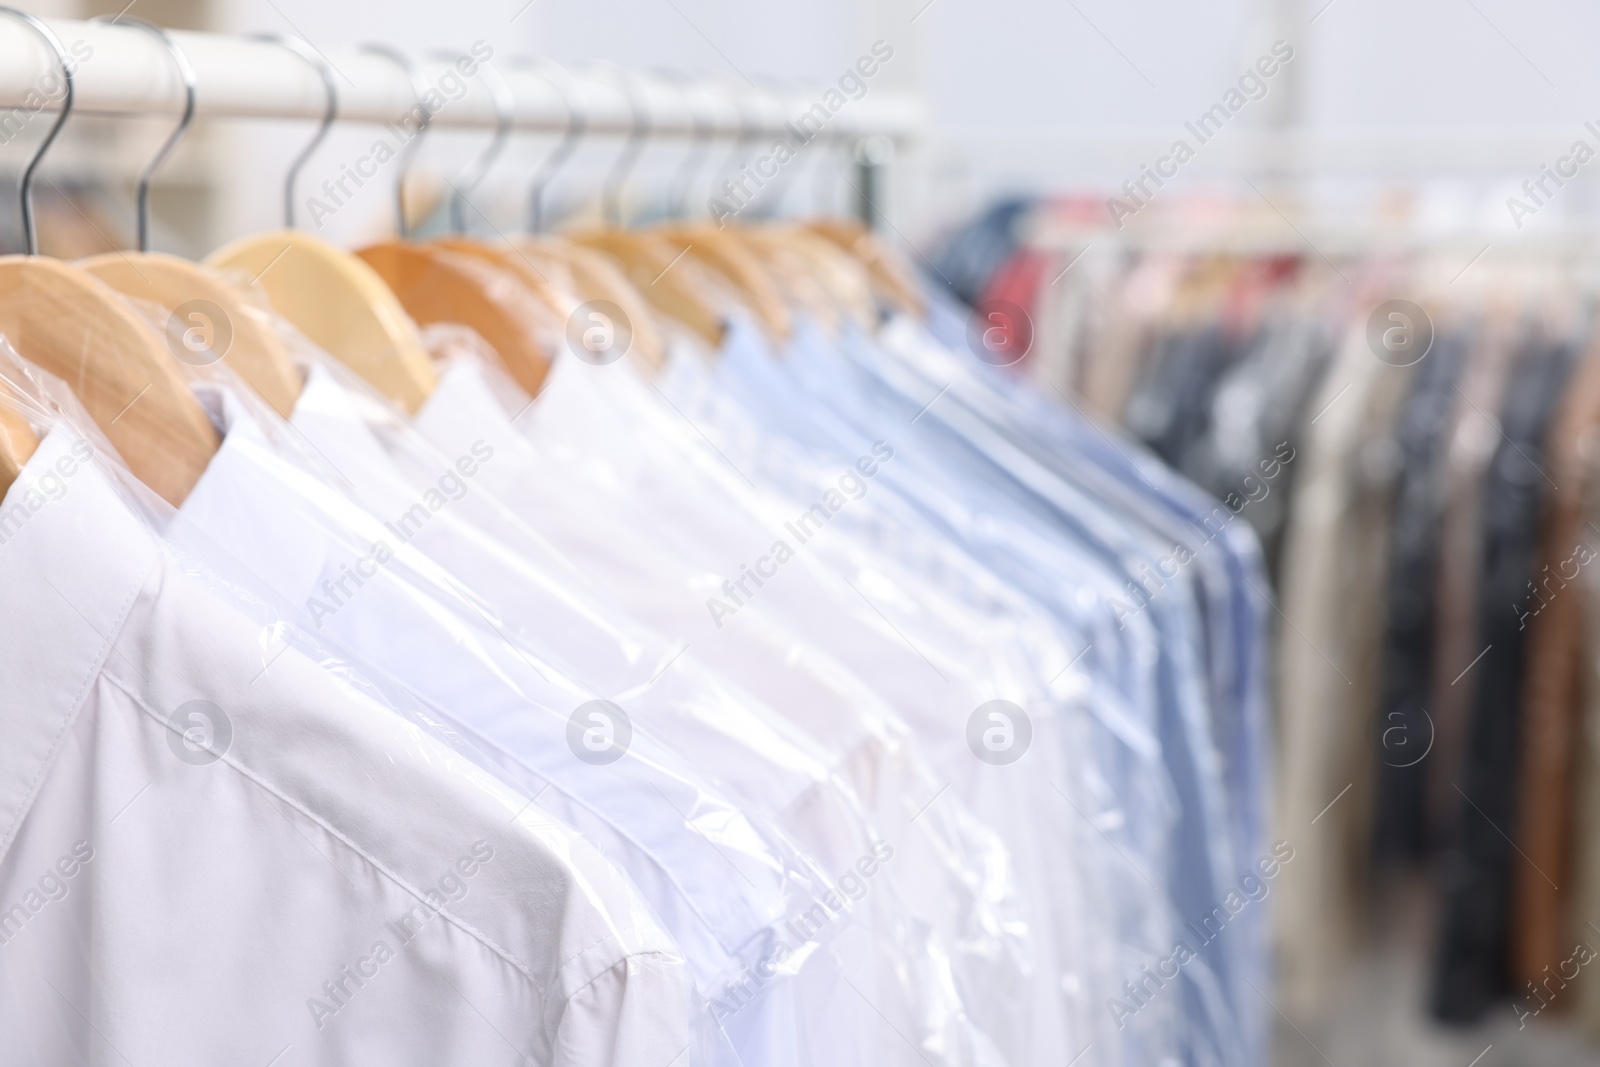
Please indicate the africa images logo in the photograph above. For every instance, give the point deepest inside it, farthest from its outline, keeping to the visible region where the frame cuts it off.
(999, 732)
(450, 887)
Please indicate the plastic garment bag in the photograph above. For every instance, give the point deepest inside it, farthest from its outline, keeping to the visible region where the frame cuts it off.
(587, 435)
(179, 765)
(950, 874)
(722, 880)
(887, 950)
(355, 579)
(1211, 550)
(1107, 743)
(526, 593)
(1223, 559)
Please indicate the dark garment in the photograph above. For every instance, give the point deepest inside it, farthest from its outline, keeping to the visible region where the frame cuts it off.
(1404, 726)
(966, 259)
(1471, 964)
(1551, 833)
(1292, 427)
(1170, 409)
(1258, 412)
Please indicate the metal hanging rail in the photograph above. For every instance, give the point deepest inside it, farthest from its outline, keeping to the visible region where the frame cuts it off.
(120, 71)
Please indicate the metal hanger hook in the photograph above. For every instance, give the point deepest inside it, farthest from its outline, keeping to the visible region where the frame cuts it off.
(749, 135)
(325, 72)
(419, 111)
(180, 63)
(824, 193)
(638, 133)
(699, 148)
(577, 127)
(26, 182)
(776, 189)
(505, 105)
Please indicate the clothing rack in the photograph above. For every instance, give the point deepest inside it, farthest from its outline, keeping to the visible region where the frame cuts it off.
(129, 72)
(1262, 234)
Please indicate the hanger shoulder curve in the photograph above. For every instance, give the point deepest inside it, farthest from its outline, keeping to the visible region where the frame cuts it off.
(892, 282)
(184, 289)
(436, 284)
(725, 254)
(596, 276)
(845, 278)
(551, 294)
(797, 275)
(341, 304)
(676, 289)
(79, 329)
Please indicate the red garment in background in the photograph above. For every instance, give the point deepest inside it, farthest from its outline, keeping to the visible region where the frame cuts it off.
(1018, 282)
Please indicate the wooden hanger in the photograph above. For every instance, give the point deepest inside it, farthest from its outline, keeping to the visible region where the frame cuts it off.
(588, 276)
(846, 278)
(331, 296)
(891, 281)
(553, 263)
(341, 304)
(576, 273)
(675, 284)
(596, 276)
(77, 328)
(744, 272)
(18, 443)
(580, 272)
(438, 284)
(184, 289)
(583, 272)
(553, 258)
(548, 279)
(770, 285)
(187, 290)
(457, 281)
(798, 275)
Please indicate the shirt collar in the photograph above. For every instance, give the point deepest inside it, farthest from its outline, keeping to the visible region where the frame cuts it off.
(465, 407)
(73, 554)
(239, 503)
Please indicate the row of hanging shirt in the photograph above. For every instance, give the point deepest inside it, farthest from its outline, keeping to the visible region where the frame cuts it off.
(751, 676)
(1422, 474)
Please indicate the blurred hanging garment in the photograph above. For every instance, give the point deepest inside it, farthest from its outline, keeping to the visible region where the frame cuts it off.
(1428, 539)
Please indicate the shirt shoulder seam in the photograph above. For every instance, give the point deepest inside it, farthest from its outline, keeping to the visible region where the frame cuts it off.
(377, 864)
(96, 667)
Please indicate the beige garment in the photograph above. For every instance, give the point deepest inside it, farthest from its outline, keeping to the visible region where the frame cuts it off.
(1553, 684)
(1057, 325)
(1335, 551)
(1474, 436)
(1582, 920)
(1123, 336)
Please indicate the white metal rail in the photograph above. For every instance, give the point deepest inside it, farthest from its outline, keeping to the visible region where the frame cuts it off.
(123, 70)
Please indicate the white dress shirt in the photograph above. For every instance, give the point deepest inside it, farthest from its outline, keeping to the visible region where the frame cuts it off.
(652, 490)
(728, 886)
(762, 757)
(216, 849)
